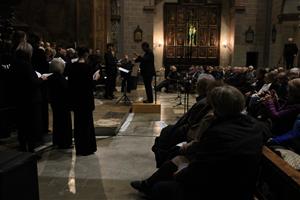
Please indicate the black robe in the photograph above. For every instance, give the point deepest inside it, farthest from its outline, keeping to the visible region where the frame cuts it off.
(80, 79)
(111, 73)
(28, 101)
(40, 64)
(58, 98)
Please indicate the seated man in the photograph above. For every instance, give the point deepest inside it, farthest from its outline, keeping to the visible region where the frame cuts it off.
(172, 78)
(223, 164)
(165, 144)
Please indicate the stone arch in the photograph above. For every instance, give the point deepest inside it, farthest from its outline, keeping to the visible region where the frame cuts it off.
(290, 10)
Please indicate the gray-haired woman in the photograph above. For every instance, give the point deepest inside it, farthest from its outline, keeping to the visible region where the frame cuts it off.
(58, 98)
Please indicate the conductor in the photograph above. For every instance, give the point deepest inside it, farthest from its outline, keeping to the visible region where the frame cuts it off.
(147, 70)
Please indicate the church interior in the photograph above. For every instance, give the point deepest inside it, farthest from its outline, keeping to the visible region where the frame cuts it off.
(150, 99)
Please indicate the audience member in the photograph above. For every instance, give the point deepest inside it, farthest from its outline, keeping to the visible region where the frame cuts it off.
(182, 131)
(283, 116)
(225, 160)
(172, 79)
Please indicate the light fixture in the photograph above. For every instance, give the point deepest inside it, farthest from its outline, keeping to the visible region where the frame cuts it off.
(225, 44)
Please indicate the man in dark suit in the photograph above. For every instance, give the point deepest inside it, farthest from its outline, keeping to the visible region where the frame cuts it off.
(111, 71)
(147, 70)
(290, 52)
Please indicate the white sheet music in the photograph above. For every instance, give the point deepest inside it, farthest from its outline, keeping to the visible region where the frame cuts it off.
(39, 74)
(123, 70)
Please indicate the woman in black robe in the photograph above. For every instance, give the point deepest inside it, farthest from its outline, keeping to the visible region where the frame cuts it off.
(58, 98)
(80, 78)
(27, 96)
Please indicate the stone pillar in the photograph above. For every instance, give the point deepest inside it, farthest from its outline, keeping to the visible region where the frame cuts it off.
(101, 19)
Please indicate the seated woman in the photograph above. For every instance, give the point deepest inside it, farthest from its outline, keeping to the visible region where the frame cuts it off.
(58, 98)
(283, 116)
(222, 165)
(255, 98)
(291, 139)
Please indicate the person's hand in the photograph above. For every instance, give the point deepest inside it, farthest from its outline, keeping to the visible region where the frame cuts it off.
(44, 78)
(135, 55)
(274, 94)
(248, 94)
(267, 97)
(184, 147)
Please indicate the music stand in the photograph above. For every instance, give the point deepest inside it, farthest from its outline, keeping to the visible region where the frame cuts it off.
(124, 97)
(178, 88)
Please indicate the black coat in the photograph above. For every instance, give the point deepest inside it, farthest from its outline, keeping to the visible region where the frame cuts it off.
(224, 164)
(81, 85)
(147, 64)
(290, 50)
(110, 64)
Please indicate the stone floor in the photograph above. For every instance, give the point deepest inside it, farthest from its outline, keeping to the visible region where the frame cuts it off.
(119, 159)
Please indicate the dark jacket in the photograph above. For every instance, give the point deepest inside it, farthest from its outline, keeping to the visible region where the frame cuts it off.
(290, 50)
(147, 64)
(224, 164)
(81, 85)
(110, 64)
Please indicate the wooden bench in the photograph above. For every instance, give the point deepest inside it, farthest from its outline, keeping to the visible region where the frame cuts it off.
(278, 180)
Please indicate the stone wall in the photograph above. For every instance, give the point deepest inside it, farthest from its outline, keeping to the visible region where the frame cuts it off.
(54, 21)
(254, 15)
(284, 31)
(66, 22)
(132, 15)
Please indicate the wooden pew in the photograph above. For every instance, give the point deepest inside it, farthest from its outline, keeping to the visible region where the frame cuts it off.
(278, 180)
